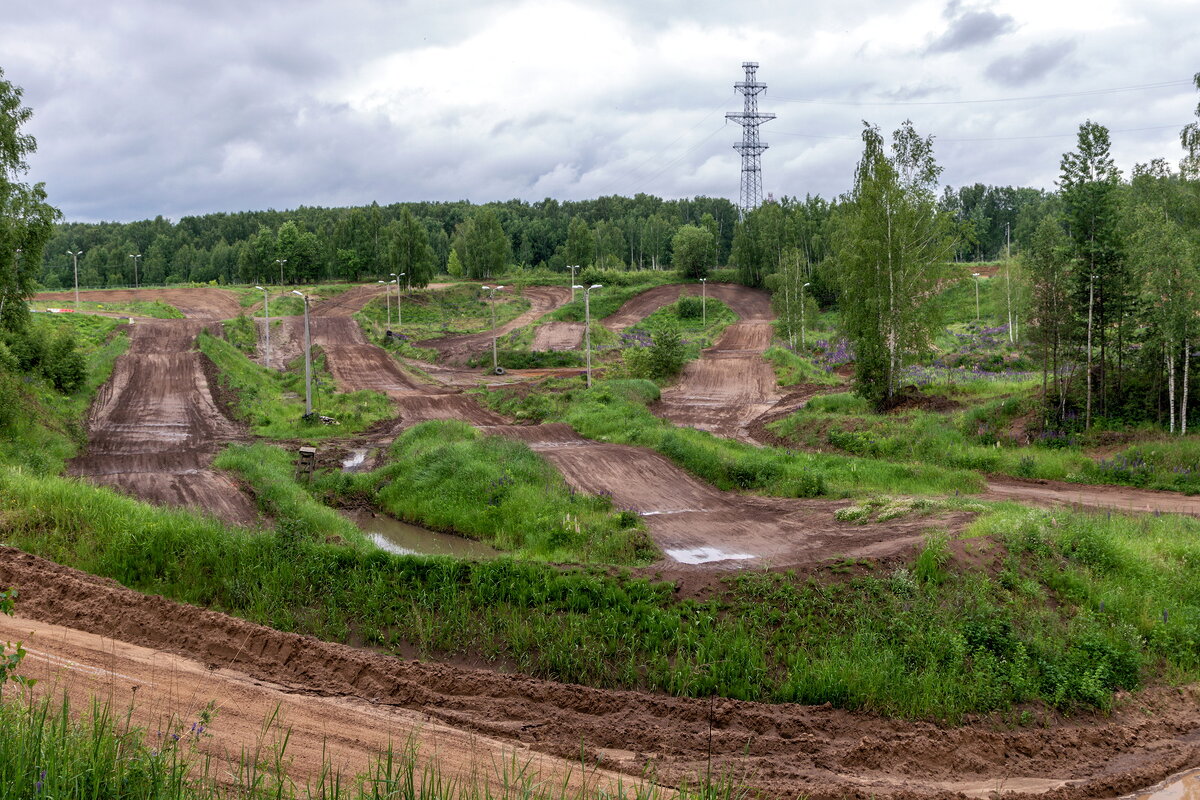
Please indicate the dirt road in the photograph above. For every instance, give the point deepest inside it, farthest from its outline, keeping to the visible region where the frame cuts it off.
(198, 303)
(730, 385)
(458, 349)
(697, 524)
(181, 656)
(154, 428)
(1117, 498)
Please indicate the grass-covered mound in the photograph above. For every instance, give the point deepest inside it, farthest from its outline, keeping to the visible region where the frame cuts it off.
(448, 476)
(272, 403)
(617, 411)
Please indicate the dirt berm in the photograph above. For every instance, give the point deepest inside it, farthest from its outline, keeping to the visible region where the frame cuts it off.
(353, 698)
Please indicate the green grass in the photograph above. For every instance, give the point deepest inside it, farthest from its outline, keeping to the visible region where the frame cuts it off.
(931, 640)
(134, 308)
(430, 313)
(272, 403)
(977, 437)
(50, 750)
(616, 411)
(448, 476)
(792, 369)
(44, 427)
(605, 301)
(269, 471)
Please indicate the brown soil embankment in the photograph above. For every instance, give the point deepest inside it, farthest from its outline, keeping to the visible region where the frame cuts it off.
(198, 303)
(352, 701)
(458, 349)
(154, 427)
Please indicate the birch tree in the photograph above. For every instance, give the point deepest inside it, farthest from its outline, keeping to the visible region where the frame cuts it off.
(892, 247)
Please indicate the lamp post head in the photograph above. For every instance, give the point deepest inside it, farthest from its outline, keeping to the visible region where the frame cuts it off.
(297, 292)
(383, 281)
(975, 274)
(805, 286)
(576, 286)
(261, 289)
(595, 286)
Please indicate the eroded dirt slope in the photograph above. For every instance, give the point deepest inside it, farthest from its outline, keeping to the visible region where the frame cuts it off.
(154, 428)
(355, 698)
(457, 349)
(199, 303)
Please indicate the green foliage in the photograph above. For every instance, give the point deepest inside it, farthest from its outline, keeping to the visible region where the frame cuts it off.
(448, 476)
(409, 252)
(689, 307)
(272, 403)
(939, 644)
(892, 245)
(526, 359)
(792, 369)
(242, 333)
(482, 246)
(691, 251)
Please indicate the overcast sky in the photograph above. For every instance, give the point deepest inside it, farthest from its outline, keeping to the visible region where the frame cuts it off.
(145, 107)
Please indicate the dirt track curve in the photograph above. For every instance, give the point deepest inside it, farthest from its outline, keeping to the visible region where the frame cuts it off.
(457, 349)
(199, 303)
(154, 428)
(181, 656)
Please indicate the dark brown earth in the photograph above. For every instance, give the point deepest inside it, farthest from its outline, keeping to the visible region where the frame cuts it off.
(351, 701)
(199, 303)
(458, 349)
(154, 427)
(557, 335)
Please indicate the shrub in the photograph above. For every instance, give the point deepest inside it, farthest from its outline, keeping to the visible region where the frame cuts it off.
(689, 307)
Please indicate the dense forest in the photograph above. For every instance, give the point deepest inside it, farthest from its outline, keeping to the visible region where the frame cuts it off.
(608, 232)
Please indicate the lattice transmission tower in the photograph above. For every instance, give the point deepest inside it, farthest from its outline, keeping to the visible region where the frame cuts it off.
(750, 147)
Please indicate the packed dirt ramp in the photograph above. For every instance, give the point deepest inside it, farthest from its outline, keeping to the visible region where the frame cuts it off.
(154, 427)
(354, 698)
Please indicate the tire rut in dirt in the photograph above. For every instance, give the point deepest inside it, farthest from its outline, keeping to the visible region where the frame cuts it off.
(794, 749)
(154, 427)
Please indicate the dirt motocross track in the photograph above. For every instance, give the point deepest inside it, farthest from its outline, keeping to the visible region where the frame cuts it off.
(354, 700)
(154, 427)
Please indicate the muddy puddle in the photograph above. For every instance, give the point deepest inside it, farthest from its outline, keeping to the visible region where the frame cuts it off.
(1184, 786)
(705, 555)
(354, 461)
(403, 539)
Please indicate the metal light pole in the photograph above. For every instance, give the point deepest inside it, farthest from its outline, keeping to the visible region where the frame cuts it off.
(399, 315)
(704, 301)
(137, 257)
(803, 296)
(492, 297)
(307, 359)
(587, 326)
(387, 293)
(267, 317)
(976, 274)
(281, 262)
(75, 254)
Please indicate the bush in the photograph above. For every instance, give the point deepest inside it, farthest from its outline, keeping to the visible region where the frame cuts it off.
(689, 307)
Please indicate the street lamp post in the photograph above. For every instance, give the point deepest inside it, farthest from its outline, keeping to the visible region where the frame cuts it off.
(399, 314)
(976, 275)
(267, 317)
(387, 293)
(704, 301)
(492, 297)
(307, 358)
(587, 326)
(75, 254)
(803, 296)
(281, 262)
(137, 258)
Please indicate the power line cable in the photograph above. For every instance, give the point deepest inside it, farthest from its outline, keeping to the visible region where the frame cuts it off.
(1058, 96)
(986, 138)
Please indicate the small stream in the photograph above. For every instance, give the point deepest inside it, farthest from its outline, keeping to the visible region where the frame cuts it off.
(401, 538)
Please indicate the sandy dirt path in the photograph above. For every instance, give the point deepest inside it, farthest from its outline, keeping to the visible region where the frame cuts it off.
(697, 524)
(182, 656)
(198, 303)
(457, 349)
(154, 428)
(558, 335)
(348, 733)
